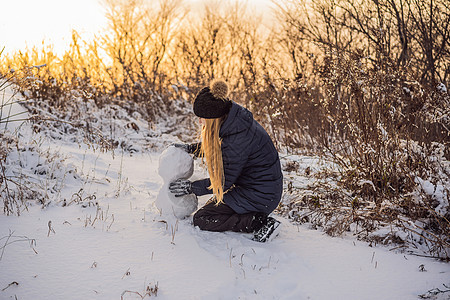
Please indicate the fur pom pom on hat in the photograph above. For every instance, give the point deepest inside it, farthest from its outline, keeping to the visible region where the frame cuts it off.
(212, 102)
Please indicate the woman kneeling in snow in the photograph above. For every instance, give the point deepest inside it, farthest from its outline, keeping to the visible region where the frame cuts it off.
(243, 166)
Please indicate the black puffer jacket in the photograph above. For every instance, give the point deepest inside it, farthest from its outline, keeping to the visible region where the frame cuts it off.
(253, 178)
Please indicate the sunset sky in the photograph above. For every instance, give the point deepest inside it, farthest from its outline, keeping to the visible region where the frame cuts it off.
(29, 22)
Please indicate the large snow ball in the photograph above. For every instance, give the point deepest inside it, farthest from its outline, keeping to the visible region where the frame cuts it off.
(175, 163)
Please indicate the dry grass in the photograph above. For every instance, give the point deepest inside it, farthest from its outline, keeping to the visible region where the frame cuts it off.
(150, 290)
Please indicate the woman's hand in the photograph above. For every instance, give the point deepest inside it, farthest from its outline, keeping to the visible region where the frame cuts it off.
(189, 148)
(185, 147)
(180, 187)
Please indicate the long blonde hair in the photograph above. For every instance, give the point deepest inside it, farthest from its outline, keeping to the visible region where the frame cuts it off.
(211, 151)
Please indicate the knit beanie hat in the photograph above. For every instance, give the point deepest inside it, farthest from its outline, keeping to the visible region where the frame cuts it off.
(212, 102)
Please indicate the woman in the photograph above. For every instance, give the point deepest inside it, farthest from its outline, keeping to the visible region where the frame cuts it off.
(243, 165)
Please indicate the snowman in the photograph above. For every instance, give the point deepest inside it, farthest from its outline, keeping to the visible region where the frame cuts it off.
(175, 163)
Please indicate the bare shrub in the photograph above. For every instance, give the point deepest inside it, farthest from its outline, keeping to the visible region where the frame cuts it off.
(378, 129)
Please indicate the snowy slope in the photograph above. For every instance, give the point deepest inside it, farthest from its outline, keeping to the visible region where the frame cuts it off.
(11, 114)
(122, 246)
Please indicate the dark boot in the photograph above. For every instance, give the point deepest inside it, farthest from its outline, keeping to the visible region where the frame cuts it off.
(268, 231)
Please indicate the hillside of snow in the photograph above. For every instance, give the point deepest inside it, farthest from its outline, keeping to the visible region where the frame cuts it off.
(99, 235)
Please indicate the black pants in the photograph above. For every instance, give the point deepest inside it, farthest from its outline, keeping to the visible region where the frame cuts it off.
(212, 217)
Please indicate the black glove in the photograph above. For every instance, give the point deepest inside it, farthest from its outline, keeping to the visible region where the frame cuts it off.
(189, 148)
(184, 147)
(180, 187)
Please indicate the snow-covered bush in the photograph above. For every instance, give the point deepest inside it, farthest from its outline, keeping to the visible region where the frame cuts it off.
(31, 175)
(389, 138)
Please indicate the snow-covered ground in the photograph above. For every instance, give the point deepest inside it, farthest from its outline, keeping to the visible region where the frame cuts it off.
(111, 242)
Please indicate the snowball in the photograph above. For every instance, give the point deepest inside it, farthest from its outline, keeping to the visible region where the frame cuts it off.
(175, 163)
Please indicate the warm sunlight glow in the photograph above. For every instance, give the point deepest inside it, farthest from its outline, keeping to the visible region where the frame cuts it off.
(26, 23)
(29, 22)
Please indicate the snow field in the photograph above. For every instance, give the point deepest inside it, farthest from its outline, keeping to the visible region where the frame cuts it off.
(126, 245)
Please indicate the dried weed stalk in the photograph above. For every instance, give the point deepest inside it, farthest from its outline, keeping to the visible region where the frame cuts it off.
(149, 291)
